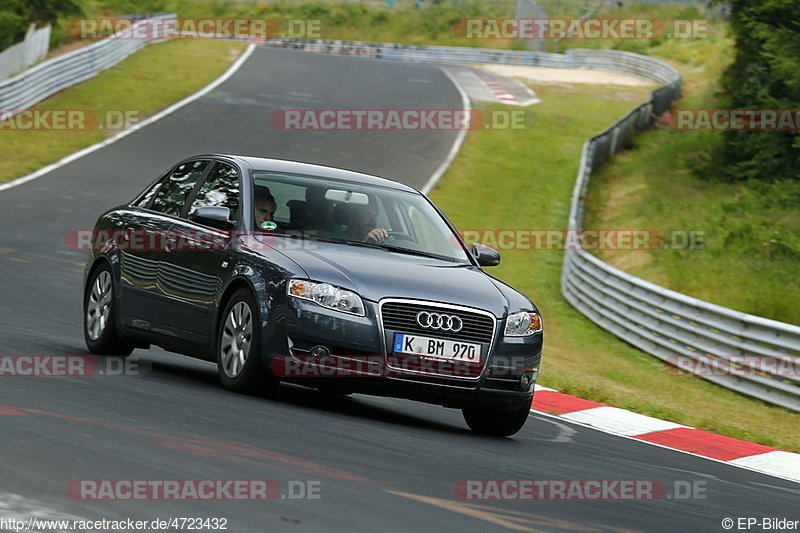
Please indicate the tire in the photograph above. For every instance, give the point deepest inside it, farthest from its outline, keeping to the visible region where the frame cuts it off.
(497, 422)
(100, 315)
(238, 346)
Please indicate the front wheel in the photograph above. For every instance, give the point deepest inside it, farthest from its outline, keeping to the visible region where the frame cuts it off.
(497, 422)
(239, 346)
(99, 316)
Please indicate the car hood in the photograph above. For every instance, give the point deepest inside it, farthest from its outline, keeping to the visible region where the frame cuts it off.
(376, 273)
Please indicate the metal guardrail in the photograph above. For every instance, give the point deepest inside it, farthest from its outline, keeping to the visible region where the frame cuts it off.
(704, 338)
(616, 60)
(672, 326)
(47, 78)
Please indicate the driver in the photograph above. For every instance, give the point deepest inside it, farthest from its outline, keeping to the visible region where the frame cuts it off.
(362, 224)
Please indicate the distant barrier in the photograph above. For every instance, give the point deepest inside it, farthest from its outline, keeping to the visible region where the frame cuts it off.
(47, 78)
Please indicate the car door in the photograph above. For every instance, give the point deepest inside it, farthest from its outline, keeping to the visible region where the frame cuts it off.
(150, 218)
(192, 269)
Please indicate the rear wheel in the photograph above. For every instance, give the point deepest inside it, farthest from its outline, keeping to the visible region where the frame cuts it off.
(99, 316)
(239, 362)
(497, 422)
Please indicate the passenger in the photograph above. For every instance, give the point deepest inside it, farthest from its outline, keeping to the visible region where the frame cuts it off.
(265, 206)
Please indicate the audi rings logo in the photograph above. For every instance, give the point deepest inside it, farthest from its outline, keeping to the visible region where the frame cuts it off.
(438, 321)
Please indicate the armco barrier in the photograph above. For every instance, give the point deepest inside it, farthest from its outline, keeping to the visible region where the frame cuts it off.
(659, 321)
(47, 78)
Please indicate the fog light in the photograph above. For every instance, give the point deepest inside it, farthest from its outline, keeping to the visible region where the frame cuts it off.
(320, 351)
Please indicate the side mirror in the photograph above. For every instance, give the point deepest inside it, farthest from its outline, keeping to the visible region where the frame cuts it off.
(486, 255)
(216, 217)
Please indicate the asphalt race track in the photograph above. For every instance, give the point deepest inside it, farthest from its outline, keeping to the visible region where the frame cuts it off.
(381, 464)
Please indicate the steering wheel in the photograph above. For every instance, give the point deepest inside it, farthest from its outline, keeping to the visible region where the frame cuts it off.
(399, 236)
(393, 235)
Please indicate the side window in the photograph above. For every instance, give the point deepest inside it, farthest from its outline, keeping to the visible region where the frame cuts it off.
(176, 188)
(144, 199)
(221, 189)
(286, 195)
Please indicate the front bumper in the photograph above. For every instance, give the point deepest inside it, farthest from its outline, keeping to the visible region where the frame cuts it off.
(358, 360)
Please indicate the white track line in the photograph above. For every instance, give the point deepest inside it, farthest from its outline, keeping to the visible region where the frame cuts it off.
(777, 463)
(158, 116)
(462, 134)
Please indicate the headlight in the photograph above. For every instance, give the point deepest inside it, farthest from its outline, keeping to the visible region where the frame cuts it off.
(523, 324)
(327, 296)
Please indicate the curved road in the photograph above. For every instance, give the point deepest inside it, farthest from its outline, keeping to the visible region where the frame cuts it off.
(381, 464)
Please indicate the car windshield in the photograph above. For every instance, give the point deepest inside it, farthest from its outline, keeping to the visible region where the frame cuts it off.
(352, 213)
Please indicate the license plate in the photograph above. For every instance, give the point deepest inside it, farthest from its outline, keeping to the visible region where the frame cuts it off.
(441, 348)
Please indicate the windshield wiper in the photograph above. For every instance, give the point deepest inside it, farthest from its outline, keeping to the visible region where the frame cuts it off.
(402, 250)
(383, 246)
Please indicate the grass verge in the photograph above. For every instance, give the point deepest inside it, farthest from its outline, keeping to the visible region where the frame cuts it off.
(522, 179)
(149, 80)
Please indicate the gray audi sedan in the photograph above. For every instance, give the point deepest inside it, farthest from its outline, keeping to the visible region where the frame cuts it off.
(280, 271)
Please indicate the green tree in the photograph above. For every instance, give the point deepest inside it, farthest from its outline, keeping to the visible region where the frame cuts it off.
(765, 74)
(12, 23)
(17, 15)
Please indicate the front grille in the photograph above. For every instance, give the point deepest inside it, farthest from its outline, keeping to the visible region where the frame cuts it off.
(402, 317)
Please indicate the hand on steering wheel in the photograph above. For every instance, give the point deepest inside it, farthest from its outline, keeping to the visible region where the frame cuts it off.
(377, 235)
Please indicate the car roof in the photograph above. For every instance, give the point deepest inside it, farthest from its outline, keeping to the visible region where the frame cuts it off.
(297, 167)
